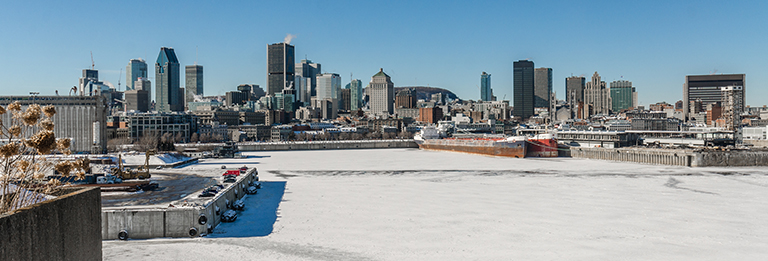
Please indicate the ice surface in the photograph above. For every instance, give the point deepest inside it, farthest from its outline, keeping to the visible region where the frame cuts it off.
(407, 204)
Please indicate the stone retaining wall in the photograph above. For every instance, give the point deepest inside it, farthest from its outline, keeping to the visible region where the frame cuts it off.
(65, 228)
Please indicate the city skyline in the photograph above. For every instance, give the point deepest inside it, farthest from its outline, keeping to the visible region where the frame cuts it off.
(659, 48)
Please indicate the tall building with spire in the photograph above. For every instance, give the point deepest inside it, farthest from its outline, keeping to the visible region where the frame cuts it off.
(486, 93)
(168, 96)
(193, 75)
(137, 68)
(523, 89)
(597, 98)
(280, 67)
(382, 94)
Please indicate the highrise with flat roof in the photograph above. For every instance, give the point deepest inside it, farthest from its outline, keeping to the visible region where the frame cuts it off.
(708, 89)
(486, 93)
(355, 94)
(542, 87)
(328, 86)
(168, 96)
(623, 95)
(136, 68)
(308, 70)
(523, 89)
(574, 89)
(280, 67)
(90, 78)
(194, 82)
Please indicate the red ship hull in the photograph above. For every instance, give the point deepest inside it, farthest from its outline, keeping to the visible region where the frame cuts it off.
(542, 148)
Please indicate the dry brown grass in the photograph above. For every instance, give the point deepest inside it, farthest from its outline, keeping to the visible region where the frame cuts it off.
(23, 143)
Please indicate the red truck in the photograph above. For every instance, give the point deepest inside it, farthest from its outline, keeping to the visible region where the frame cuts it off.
(232, 172)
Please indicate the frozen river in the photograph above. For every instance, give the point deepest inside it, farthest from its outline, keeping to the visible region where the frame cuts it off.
(407, 204)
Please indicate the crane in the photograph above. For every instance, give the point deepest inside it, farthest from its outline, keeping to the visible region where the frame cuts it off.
(118, 79)
(125, 104)
(93, 65)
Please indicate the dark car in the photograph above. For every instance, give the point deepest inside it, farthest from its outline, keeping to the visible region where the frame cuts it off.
(251, 190)
(255, 184)
(238, 205)
(214, 188)
(206, 194)
(229, 216)
(230, 179)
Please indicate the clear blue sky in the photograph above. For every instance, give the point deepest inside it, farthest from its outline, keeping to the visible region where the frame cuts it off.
(45, 45)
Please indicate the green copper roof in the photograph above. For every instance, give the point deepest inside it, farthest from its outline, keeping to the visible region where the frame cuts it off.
(381, 73)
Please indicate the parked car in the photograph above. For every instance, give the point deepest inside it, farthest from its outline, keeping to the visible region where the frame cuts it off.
(251, 190)
(229, 179)
(223, 167)
(238, 205)
(206, 193)
(255, 184)
(229, 216)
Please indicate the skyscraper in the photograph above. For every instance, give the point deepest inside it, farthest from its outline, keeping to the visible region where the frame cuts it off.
(707, 89)
(523, 89)
(542, 87)
(168, 96)
(355, 94)
(136, 68)
(328, 86)
(89, 76)
(623, 95)
(486, 93)
(597, 98)
(280, 67)
(381, 91)
(309, 70)
(574, 89)
(344, 99)
(194, 82)
(405, 99)
(143, 84)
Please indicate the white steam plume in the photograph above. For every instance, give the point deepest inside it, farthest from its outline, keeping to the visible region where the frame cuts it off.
(288, 38)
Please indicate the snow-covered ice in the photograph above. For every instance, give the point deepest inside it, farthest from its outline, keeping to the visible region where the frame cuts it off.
(408, 204)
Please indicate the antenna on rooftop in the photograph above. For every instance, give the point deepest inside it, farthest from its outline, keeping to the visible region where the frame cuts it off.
(118, 80)
(92, 63)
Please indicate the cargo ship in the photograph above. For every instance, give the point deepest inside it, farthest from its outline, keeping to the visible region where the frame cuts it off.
(542, 145)
(493, 145)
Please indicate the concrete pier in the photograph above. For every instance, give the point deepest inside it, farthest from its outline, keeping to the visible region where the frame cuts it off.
(676, 157)
(177, 221)
(327, 145)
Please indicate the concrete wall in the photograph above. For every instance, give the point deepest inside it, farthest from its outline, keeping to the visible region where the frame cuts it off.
(676, 157)
(154, 222)
(757, 143)
(328, 145)
(65, 228)
(730, 158)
